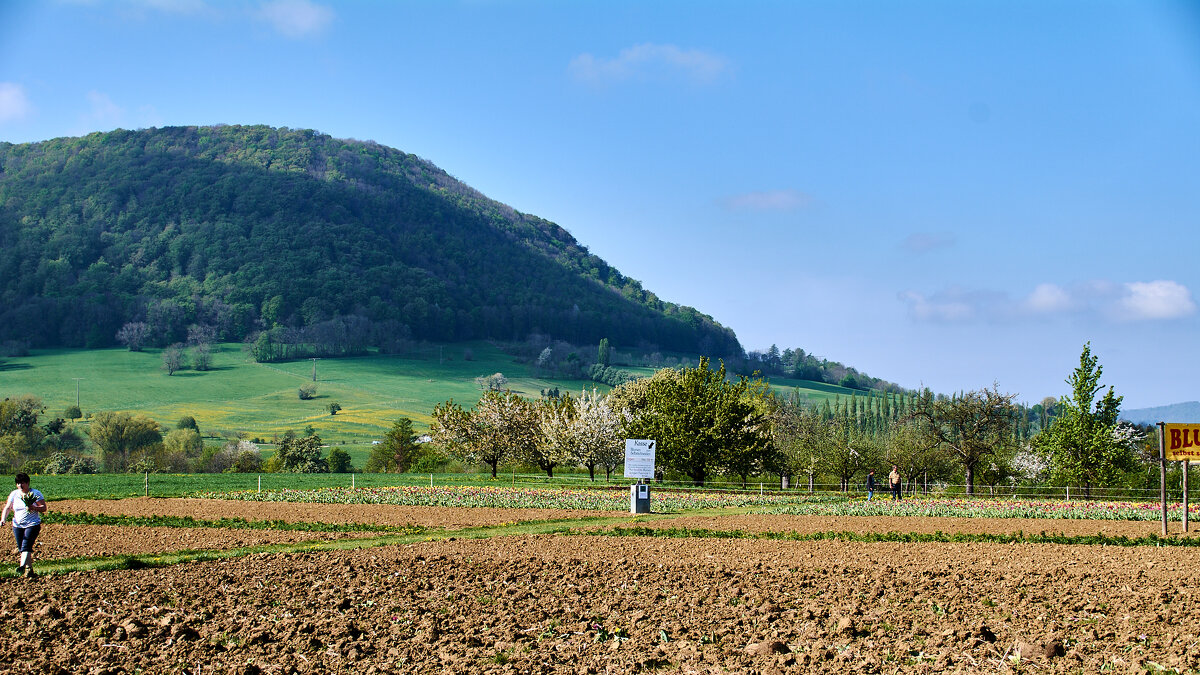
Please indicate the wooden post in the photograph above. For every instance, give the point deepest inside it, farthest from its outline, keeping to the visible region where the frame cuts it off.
(260, 483)
(147, 483)
(1162, 474)
(1185, 495)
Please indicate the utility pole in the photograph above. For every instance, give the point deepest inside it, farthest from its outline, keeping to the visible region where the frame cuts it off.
(314, 369)
(77, 379)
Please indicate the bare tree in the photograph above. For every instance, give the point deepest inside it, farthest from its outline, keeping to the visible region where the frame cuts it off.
(201, 334)
(172, 358)
(134, 335)
(974, 426)
(202, 356)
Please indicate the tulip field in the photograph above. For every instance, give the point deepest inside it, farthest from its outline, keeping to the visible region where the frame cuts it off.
(508, 579)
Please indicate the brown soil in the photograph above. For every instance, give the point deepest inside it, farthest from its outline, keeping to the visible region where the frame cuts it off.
(598, 604)
(377, 514)
(867, 524)
(74, 541)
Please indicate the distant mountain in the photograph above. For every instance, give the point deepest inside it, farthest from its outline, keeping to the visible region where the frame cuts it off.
(240, 228)
(1176, 412)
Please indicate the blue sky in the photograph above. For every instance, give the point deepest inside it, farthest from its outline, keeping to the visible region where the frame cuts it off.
(946, 194)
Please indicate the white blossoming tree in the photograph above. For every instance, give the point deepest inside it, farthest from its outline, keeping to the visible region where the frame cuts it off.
(500, 427)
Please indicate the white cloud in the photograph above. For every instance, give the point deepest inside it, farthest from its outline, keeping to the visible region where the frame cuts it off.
(650, 61)
(14, 104)
(1048, 299)
(922, 242)
(771, 200)
(1149, 300)
(1096, 299)
(950, 306)
(296, 18)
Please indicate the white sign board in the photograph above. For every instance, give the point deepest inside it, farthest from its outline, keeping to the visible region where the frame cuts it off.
(639, 458)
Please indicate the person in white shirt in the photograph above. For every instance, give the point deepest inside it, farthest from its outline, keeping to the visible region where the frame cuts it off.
(27, 506)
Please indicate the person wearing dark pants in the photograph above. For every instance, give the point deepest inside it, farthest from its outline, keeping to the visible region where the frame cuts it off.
(894, 482)
(27, 506)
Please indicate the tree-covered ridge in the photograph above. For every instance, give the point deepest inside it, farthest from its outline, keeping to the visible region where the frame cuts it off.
(243, 228)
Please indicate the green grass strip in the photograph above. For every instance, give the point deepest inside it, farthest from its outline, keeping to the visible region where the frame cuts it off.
(901, 537)
(224, 523)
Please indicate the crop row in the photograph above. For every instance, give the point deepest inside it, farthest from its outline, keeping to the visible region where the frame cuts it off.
(770, 504)
(506, 497)
(903, 537)
(986, 508)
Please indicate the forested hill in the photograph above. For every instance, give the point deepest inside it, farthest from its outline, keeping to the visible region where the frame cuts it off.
(239, 228)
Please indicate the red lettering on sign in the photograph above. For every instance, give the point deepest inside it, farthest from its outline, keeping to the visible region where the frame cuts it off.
(1187, 441)
(1175, 442)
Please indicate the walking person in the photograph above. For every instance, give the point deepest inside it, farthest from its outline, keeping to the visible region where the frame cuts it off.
(894, 482)
(870, 484)
(26, 506)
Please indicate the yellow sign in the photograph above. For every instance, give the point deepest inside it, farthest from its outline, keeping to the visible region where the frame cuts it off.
(1181, 442)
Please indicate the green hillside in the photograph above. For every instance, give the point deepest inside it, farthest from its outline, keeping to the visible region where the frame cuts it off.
(236, 229)
(240, 396)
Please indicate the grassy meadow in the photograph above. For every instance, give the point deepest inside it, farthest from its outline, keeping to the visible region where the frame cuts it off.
(241, 398)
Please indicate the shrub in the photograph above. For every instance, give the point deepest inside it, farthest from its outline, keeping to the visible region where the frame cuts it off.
(248, 461)
(339, 461)
(72, 412)
(613, 377)
(58, 463)
(308, 391)
(61, 463)
(83, 465)
(34, 467)
(428, 459)
(145, 465)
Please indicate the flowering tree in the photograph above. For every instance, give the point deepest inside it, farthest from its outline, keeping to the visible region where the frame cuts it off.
(493, 382)
(584, 430)
(501, 426)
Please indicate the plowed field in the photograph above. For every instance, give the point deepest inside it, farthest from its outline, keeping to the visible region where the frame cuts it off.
(581, 603)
